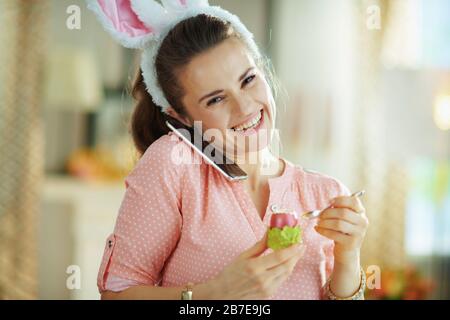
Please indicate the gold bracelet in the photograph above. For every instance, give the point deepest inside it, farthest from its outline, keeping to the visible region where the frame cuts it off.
(187, 293)
(358, 295)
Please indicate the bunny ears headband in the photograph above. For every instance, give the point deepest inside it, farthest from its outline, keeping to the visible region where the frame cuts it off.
(143, 24)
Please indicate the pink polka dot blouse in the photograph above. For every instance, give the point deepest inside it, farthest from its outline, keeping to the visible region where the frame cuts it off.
(184, 222)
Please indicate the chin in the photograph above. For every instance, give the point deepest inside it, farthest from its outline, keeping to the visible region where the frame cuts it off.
(262, 142)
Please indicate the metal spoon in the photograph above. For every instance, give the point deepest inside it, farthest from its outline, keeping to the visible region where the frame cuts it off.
(316, 213)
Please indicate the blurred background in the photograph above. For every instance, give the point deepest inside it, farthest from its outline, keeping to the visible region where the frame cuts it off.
(365, 97)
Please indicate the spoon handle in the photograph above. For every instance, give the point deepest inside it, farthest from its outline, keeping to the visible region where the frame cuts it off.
(316, 213)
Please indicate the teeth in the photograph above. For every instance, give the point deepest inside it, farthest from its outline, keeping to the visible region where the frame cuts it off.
(249, 124)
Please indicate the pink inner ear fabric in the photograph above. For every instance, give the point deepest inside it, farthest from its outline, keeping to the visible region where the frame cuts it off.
(123, 18)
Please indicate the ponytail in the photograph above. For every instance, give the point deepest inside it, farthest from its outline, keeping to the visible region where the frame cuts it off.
(148, 122)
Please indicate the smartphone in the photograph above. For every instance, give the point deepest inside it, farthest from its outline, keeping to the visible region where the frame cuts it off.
(226, 167)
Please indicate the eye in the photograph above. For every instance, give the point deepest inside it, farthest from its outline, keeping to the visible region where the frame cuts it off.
(214, 101)
(249, 79)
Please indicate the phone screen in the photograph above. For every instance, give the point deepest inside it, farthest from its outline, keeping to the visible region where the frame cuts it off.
(225, 166)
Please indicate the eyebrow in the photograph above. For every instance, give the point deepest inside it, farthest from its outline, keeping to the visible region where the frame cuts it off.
(219, 91)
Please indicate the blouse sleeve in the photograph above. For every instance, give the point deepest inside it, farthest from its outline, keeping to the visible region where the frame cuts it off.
(148, 224)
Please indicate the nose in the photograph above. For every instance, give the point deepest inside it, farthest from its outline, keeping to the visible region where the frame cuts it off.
(243, 105)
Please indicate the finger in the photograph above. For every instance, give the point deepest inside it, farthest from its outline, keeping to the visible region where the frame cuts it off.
(280, 275)
(286, 267)
(258, 248)
(277, 257)
(342, 214)
(339, 225)
(334, 235)
(352, 203)
(278, 280)
(252, 290)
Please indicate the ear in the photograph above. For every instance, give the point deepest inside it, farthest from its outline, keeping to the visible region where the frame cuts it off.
(184, 120)
(128, 21)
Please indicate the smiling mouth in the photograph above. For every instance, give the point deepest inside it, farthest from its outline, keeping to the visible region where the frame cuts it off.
(252, 123)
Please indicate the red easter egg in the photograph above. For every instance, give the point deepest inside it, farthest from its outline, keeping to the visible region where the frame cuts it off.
(280, 220)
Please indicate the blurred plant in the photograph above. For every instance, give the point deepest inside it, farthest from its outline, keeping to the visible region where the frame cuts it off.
(401, 284)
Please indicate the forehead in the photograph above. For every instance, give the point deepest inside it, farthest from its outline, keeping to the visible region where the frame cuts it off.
(215, 68)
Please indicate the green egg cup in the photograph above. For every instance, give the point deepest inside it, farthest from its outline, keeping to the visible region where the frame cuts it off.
(283, 238)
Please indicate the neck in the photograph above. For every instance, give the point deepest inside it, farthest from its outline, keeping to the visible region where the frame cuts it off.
(259, 166)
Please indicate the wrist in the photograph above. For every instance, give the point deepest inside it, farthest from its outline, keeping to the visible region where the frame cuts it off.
(345, 291)
(205, 291)
(346, 277)
(347, 258)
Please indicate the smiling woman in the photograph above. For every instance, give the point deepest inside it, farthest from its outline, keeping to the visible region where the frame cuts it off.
(184, 226)
(197, 87)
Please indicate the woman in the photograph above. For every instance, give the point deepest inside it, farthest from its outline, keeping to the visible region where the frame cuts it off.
(186, 223)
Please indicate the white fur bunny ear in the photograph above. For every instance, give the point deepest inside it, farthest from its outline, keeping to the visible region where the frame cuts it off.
(178, 5)
(128, 20)
(152, 13)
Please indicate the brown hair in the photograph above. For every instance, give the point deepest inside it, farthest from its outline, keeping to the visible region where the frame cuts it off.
(186, 40)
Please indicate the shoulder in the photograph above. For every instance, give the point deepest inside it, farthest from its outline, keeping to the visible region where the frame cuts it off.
(164, 159)
(165, 149)
(319, 185)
